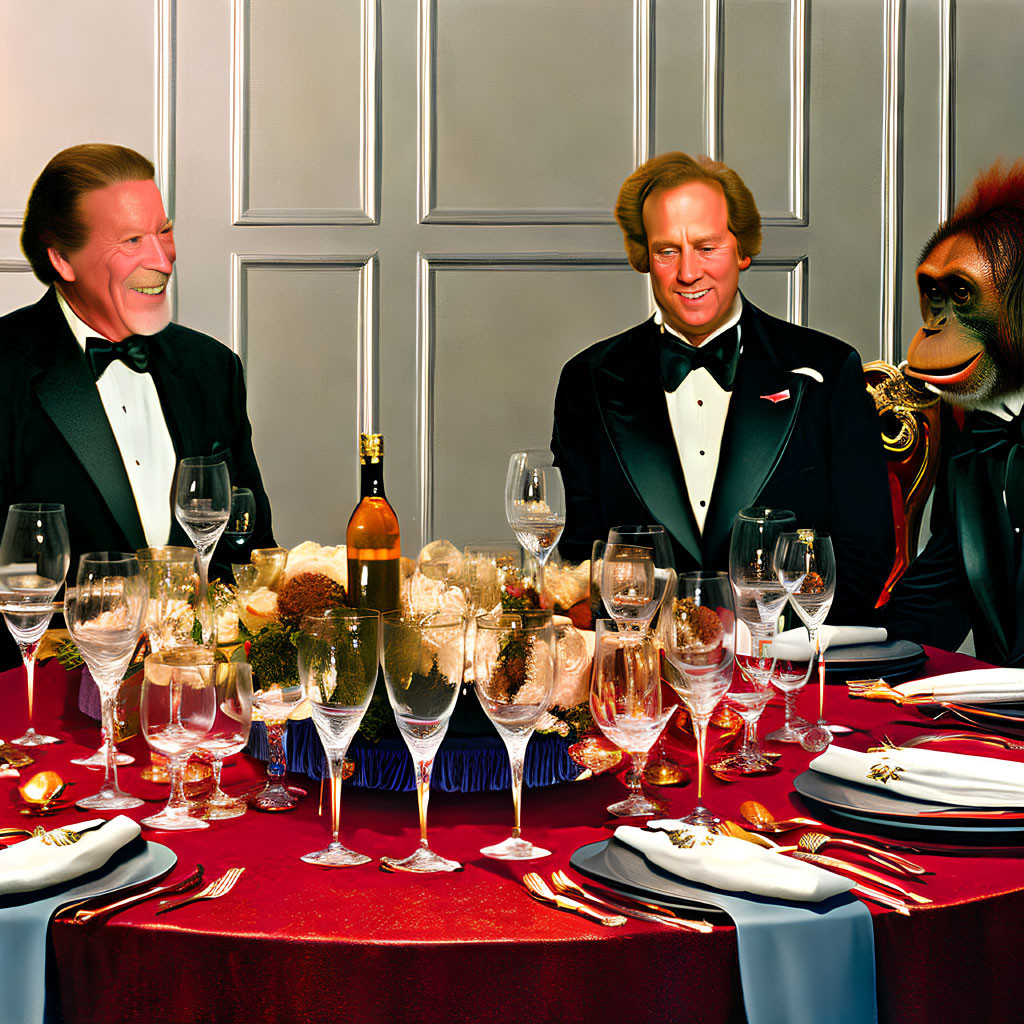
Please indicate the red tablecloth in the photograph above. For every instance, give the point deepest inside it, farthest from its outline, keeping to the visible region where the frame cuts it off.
(295, 943)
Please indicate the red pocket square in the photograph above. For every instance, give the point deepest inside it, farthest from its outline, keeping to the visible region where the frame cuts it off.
(779, 396)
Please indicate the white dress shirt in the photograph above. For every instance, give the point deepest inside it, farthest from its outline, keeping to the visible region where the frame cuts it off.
(697, 410)
(133, 408)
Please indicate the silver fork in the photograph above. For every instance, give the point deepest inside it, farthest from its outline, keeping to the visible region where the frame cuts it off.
(221, 887)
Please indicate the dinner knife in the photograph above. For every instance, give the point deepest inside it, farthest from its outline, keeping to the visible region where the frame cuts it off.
(84, 916)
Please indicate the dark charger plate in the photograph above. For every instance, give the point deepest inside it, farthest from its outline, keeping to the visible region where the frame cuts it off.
(893, 659)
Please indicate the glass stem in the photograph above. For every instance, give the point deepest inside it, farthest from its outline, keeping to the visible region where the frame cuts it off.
(335, 762)
(700, 731)
(218, 793)
(423, 796)
(790, 702)
(28, 658)
(517, 760)
(637, 775)
(177, 799)
(203, 615)
(277, 764)
(821, 674)
(108, 699)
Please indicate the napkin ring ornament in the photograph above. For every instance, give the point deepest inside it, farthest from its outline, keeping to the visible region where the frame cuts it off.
(686, 840)
(885, 772)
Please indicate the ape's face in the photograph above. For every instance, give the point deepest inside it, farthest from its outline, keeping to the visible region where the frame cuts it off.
(954, 351)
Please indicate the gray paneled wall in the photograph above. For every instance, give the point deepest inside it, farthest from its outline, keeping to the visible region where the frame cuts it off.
(399, 212)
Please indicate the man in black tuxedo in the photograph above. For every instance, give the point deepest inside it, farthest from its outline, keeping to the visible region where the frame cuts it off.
(712, 405)
(100, 395)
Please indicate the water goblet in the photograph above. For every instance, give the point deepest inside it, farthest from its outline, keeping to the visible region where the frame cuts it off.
(760, 595)
(202, 505)
(514, 673)
(338, 662)
(104, 614)
(241, 518)
(228, 734)
(625, 700)
(699, 641)
(535, 504)
(34, 556)
(424, 660)
(275, 705)
(806, 565)
(176, 712)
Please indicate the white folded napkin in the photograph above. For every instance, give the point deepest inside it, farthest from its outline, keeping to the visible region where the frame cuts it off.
(732, 864)
(33, 864)
(796, 644)
(977, 685)
(937, 776)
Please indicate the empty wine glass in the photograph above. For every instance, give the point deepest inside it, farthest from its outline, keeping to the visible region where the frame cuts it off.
(535, 504)
(275, 705)
(625, 700)
(176, 711)
(424, 662)
(514, 672)
(104, 614)
(241, 519)
(749, 693)
(202, 505)
(631, 543)
(338, 661)
(806, 565)
(34, 555)
(699, 640)
(228, 734)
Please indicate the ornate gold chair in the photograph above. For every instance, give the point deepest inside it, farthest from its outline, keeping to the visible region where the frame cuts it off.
(910, 425)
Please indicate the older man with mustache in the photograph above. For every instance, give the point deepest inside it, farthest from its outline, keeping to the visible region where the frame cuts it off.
(100, 394)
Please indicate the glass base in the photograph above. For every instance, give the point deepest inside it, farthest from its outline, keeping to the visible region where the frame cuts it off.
(336, 856)
(744, 763)
(817, 737)
(636, 805)
(109, 800)
(666, 773)
(219, 810)
(174, 820)
(274, 797)
(98, 759)
(423, 861)
(789, 732)
(515, 849)
(31, 738)
(700, 815)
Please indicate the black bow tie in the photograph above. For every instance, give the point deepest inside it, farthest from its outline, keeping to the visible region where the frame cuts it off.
(133, 351)
(718, 356)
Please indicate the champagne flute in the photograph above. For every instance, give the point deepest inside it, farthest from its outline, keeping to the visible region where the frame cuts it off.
(806, 565)
(535, 504)
(625, 700)
(228, 734)
(338, 661)
(176, 712)
(104, 614)
(424, 662)
(241, 519)
(699, 640)
(202, 505)
(34, 556)
(514, 671)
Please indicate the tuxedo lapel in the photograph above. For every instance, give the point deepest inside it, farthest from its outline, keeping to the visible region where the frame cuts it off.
(757, 428)
(68, 395)
(176, 401)
(627, 383)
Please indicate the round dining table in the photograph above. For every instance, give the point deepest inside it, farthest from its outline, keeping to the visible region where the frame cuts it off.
(294, 942)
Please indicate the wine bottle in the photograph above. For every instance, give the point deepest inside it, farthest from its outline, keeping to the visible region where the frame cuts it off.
(372, 537)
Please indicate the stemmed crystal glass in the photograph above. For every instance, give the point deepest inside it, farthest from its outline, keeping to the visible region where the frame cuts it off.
(699, 641)
(202, 505)
(625, 700)
(104, 614)
(760, 598)
(176, 712)
(275, 705)
(514, 672)
(424, 661)
(806, 565)
(228, 734)
(535, 504)
(241, 519)
(338, 661)
(34, 556)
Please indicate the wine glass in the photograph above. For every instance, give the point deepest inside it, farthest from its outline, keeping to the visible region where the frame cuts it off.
(176, 712)
(514, 672)
(241, 518)
(424, 662)
(625, 700)
(275, 705)
(535, 504)
(631, 544)
(202, 505)
(806, 565)
(749, 693)
(338, 661)
(699, 641)
(34, 556)
(228, 734)
(104, 614)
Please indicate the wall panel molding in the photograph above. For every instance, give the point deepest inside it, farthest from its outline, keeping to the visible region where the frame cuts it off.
(795, 269)
(892, 180)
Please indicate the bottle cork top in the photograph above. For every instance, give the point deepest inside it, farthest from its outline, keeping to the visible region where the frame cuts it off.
(371, 447)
